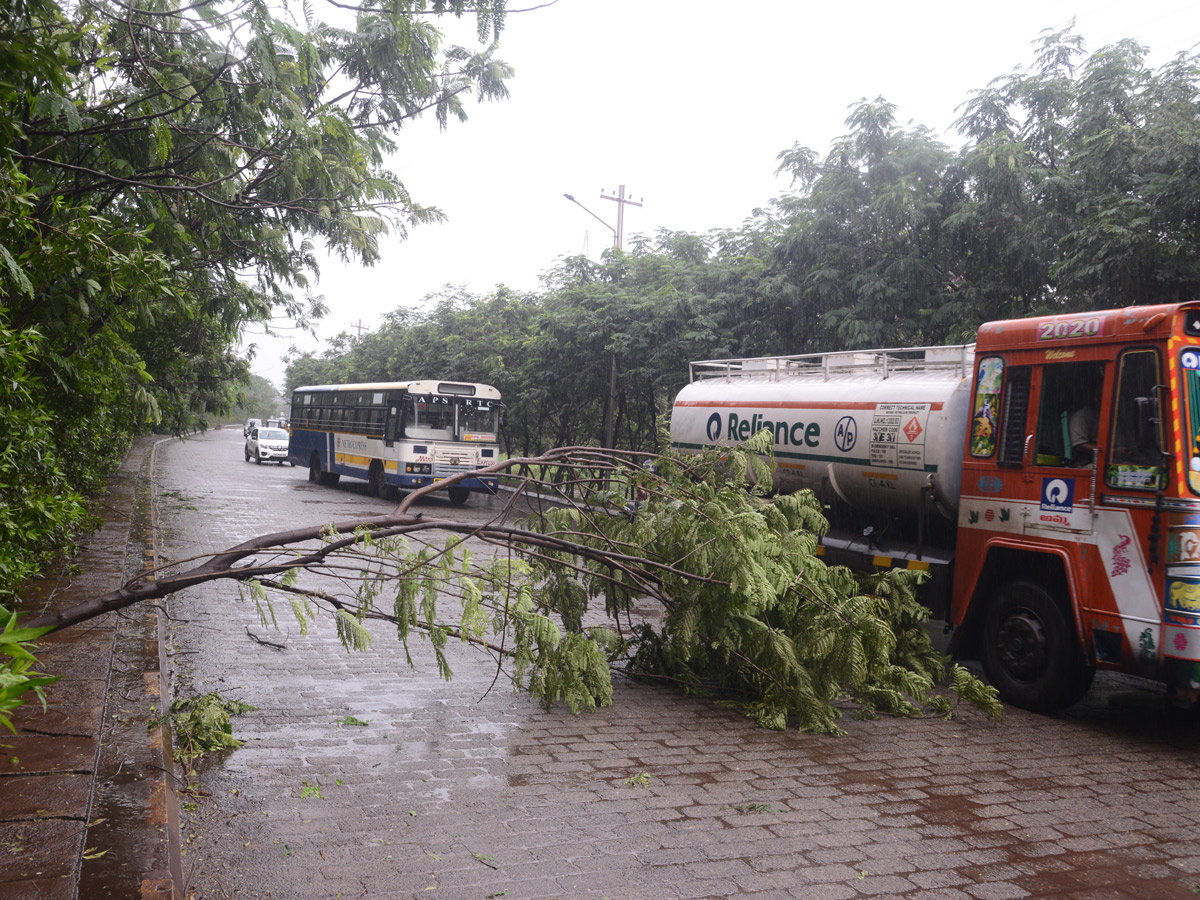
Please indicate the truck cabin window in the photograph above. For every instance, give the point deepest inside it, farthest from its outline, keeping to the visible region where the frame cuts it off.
(1189, 360)
(1136, 459)
(1069, 416)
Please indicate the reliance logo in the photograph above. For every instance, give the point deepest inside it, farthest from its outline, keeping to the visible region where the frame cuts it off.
(741, 427)
(1058, 495)
(714, 427)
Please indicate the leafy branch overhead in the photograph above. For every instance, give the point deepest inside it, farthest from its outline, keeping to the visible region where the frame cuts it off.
(743, 606)
(169, 174)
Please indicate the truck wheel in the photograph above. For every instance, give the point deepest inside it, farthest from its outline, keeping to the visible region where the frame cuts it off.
(314, 469)
(376, 483)
(458, 495)
(1030, 653)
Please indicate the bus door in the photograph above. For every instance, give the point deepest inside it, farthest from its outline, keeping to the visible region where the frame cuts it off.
(392, 419)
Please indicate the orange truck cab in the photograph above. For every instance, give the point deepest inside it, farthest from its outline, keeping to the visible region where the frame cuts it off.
(1047, 478)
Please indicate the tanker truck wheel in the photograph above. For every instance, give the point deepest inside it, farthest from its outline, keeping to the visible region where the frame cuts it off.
(1030, 653)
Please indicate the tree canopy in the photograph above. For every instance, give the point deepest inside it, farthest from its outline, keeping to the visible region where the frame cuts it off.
(168, 173)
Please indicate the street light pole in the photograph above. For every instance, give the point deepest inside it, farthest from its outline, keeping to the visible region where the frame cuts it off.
(616, 237)
(618, 240)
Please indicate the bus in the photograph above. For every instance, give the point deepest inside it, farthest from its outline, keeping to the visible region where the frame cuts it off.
(397, 435)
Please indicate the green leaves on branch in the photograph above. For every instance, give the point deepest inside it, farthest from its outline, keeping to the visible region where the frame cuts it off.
(166, 174)
(201, 725)
(751, 610)
(17, 677)
(748, 609)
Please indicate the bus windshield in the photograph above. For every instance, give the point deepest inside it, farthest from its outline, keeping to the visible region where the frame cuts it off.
(477, 420)
(430, 417)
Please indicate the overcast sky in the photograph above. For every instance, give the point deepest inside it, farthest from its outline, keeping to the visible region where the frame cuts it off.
(687, 103)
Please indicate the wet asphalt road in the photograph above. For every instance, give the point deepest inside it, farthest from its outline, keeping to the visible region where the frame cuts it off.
(452, 790)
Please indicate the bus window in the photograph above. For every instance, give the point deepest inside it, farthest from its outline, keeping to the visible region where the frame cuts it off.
(392, 426)
(1135, 461)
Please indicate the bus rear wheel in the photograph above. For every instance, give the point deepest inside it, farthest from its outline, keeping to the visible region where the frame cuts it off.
(315, 475)
(458, 495)
(1030, 653)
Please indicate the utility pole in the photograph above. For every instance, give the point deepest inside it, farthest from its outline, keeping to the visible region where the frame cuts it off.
(622, 201)
(618, 241)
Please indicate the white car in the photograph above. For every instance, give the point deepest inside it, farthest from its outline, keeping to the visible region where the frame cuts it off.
(267, 445)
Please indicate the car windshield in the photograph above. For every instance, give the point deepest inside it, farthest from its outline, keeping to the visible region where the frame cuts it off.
(272, 434)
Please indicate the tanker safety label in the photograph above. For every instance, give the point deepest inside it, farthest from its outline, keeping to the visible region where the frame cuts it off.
(898, 435)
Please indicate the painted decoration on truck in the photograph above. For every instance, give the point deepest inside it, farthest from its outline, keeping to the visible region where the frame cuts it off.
(1183, 544)
(1183, 595)
(986, 407)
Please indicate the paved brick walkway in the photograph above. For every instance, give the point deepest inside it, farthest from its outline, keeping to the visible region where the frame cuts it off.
(452, 792)
(85, 806)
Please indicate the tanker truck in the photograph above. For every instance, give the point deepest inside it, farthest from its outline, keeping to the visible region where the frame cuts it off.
(1046, 478)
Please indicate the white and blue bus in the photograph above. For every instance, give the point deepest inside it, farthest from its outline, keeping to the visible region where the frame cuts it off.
(397, 435)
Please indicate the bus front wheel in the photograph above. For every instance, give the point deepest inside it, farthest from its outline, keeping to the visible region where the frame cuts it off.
(1030, 653)
(376, 482)
(458, 495)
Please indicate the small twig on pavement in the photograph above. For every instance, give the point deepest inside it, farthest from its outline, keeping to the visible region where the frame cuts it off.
(263, 642)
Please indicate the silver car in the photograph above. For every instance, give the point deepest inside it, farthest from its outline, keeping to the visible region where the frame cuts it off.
(267, 445)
